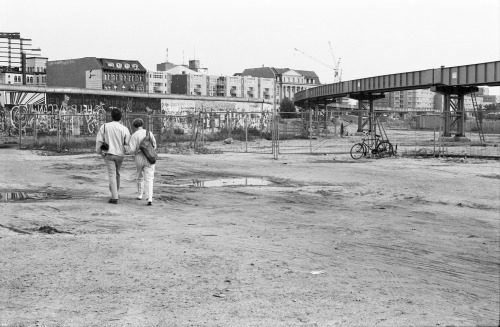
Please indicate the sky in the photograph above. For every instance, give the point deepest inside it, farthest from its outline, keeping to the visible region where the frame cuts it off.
(369, 37)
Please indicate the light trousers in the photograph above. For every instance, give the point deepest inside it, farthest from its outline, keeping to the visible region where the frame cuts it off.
(145, 176)
(113, 165)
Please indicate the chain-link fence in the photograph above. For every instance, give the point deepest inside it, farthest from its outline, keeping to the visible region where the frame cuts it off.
(312, 131)
(320, 131)
(207, 131)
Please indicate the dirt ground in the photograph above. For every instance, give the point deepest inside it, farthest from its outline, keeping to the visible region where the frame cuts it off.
(329, 242)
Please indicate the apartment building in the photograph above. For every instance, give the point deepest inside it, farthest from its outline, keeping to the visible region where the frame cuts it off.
(407, 101)
(97, 73)
(12, 46)
(286, 81)
(160, 81)
(13, 50)
(35, 73)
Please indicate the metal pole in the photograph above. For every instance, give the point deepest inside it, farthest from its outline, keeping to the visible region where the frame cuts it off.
(246, 133)
(35, 129)
(310, 130)
(20, 131)
(58, 129)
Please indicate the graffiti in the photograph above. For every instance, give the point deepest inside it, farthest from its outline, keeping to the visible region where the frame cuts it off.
(49, 118)
(74, 115)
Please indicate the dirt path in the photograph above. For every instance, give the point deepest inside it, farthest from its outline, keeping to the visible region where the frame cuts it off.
(331, 241)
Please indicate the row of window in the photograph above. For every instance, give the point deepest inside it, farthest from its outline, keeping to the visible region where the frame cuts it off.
(123, 77)
(131, 87)
(36, 69)
(29, 79)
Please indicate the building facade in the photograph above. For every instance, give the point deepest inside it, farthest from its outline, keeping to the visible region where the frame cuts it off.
(13, 51)
(12, 46)
(223, 86)
(97, 73)
(286, 81)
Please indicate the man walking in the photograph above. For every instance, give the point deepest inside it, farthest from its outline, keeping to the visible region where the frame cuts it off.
(116, 136)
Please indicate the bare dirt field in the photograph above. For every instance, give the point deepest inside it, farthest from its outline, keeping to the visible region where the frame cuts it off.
(330, 241)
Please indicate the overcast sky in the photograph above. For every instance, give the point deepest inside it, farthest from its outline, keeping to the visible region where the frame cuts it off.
(371, 37)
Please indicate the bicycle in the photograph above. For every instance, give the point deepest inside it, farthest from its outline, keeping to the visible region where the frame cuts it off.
(374, 147)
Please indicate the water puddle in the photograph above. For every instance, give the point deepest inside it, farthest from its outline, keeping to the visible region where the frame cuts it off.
(231, 182)
(222, 182)
(30, 196)
(22, 196)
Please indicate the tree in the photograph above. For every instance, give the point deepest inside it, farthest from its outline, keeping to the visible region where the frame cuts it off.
(492, 106)
(287, 108)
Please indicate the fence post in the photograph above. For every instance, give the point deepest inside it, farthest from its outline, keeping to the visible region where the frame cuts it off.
(20, 129)
(58, 130)
(35, 130)
(246, 133)
(203, 121)
(310, 130)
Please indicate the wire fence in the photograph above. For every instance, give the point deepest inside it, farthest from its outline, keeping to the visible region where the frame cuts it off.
(319, 131)
(312, 132)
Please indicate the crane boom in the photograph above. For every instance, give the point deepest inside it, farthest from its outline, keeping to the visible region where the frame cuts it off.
(336, 63)
(335, 69)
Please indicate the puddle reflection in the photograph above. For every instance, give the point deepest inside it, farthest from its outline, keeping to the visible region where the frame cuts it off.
(20, 196)
(231, 182)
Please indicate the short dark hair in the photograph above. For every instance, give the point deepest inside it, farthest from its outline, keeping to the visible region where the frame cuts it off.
(116, 114)
(138, 122)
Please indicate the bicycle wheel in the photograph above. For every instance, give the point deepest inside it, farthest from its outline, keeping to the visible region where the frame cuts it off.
(358, 150)
(382, 149)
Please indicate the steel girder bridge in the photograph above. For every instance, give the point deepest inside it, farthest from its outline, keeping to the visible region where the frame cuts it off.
(452, 82)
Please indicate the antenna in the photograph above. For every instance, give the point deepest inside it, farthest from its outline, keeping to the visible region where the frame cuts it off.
(166, 58)
(183, 57)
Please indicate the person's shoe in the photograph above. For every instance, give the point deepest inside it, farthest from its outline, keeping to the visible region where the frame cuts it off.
(113, 201)
(150, 203)
(139, 198)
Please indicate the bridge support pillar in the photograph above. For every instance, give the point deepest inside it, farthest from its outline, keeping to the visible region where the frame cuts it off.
(454, 101)
(370, 97)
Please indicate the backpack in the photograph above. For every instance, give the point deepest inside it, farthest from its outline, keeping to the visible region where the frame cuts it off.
(147, 149)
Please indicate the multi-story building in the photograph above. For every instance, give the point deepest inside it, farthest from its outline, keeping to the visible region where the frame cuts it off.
(223, 86)
(286, 81)
(18, 58)
(160, 81)
(97, 73)
(190, 84)
(12, 46)
(34, 73)
(407, 101)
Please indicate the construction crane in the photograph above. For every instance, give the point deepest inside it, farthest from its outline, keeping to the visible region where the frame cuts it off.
(336, 63)
(335, 69)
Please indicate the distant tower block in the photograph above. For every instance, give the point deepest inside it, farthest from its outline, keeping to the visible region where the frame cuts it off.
(194, 64)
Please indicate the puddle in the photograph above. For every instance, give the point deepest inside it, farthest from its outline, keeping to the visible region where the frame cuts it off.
(21, 196)
(29, 196)
(231, 182)
(224, 182)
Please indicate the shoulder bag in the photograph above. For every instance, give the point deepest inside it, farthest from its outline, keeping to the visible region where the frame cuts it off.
(147, 149)
(104, 145)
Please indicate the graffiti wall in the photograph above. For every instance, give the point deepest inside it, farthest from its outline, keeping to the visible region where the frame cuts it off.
(81, 114)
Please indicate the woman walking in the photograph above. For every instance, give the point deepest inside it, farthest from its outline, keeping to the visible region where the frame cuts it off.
(145, 170)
